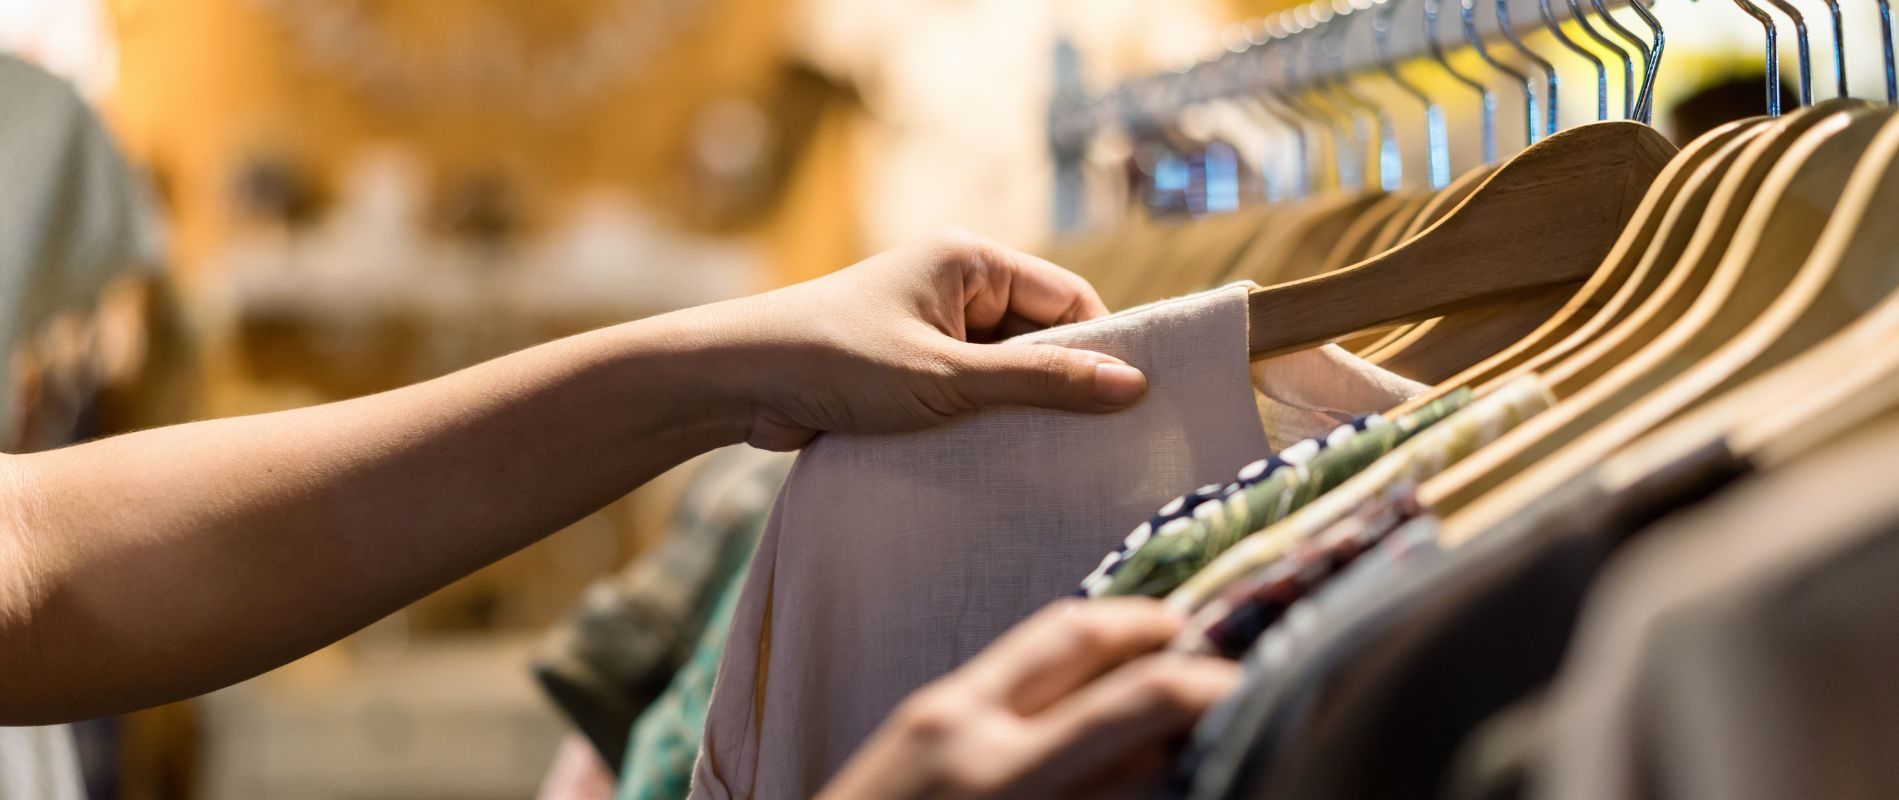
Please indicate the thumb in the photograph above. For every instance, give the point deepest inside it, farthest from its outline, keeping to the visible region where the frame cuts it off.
(1044, 376)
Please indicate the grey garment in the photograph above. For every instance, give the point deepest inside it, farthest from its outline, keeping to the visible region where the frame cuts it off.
(71, 219)
(618, 652)
(891, 560)
(1401, 679)
(1225, 755)
(1745, 650)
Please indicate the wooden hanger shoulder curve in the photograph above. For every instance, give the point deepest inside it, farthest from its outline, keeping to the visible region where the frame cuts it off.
(1778, 231)
(1357, 241)
(1656, 234)
(1433, 210)
(1545, 219)
(1436, 351)
(1711, 234)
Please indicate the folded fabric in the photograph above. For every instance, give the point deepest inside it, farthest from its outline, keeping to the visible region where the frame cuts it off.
(890, 560)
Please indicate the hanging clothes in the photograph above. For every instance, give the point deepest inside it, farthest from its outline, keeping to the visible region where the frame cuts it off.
(1401, 673)
(632, 632)
(664, 741)
(890, 560)
(1410, 463)
(1742, 650)
(1162, 557)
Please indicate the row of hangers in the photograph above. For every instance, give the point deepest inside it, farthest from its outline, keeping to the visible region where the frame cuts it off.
(1743, 290)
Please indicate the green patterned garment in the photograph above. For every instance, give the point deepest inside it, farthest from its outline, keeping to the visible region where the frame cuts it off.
(1164, 562)
(666, 737)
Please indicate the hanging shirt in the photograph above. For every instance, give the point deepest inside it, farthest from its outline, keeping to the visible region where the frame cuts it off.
(1424, 456)
(1158, 563)
(890, 560)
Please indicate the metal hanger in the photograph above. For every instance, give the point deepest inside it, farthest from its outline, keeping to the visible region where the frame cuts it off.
(1649, 54)
(1885, 37)
(1256, 70)
(1651, 60)
(1771, 63)
(1334, 30)
(1839, 48)
(1488, 100)
(1327, 85)
(1549, 70)
(1437, 146)
(1802, 49)
(1285, 43)
(1351, 155)
(1602, 70)
(1629, 89)
(1476, 43)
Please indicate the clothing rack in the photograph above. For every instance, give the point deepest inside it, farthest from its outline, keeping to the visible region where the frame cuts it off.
(1325, 45)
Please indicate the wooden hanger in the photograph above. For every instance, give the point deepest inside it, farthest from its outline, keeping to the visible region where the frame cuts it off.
(1772, 239)
(1543, 220)
(1357, 240)
(1656, 235)
(1428, 215)
(1207, 250)
(1288, 247)
(1436, 350)
(1816, 366)
(1714, 233)
(1389, 236)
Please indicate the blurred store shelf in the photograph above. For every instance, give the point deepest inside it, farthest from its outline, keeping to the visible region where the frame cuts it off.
(433, 719)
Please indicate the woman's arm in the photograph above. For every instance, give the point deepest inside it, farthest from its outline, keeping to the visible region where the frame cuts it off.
(162, 564)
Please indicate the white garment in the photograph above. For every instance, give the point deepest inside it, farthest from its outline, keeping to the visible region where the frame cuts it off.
(890, 560)
(39, 764)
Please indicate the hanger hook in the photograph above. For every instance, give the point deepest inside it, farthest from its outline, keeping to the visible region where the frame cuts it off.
(1353, 139)
(1287, 95)
(1839, 47)
(1651, 60)
(1641, 46)
(1437, 147)
(1602, 70)
(1390, 166)
(1242, 73)
(1772, 65)
(1629, 89)
(1488, 100)
(1543, 64)
(1885, 37)
(1804, 55)
(1476, 42)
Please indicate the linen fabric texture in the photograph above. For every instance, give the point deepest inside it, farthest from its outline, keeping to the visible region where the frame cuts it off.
(890, 560)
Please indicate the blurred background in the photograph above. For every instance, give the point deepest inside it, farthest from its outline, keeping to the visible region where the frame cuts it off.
(343, 196)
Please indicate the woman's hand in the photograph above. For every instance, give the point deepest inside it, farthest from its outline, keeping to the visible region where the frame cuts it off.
(1071, 703)
(899, 342)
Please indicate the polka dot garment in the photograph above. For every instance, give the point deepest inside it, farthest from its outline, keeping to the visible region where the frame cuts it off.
(1177, 515)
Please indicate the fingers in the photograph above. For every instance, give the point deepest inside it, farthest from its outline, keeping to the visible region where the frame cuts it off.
(1043, 376)
(1000, 282)
(1066, 645)
(1133, 710)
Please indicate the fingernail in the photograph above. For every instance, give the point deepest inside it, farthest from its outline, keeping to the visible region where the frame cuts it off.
(1118, 384)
